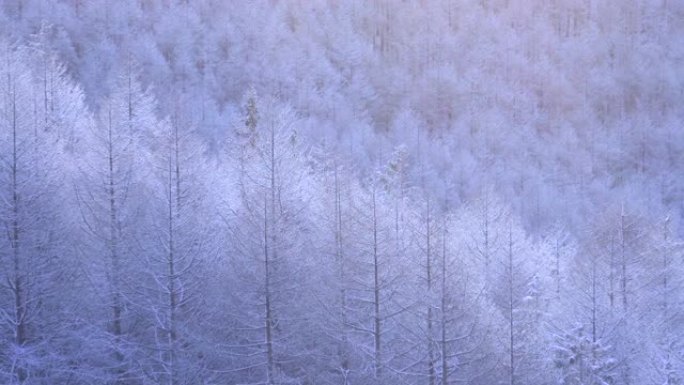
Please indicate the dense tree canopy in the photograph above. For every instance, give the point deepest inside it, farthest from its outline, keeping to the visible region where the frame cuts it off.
(300, 192)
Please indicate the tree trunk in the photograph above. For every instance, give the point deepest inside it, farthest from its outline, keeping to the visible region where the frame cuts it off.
(428, 267)
(511, 308)
(344, 359)
(443, 304)
(113, 251)
(17, 285)
(376, 294)
(270, 369)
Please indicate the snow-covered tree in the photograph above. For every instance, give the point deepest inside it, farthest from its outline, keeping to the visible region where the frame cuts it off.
(266, 229)
(34, 257)
(108, 191)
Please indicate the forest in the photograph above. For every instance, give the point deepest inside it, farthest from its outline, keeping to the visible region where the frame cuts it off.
(383, 192)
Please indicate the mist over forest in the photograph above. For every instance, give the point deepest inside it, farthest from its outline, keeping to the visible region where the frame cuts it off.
(341, 192)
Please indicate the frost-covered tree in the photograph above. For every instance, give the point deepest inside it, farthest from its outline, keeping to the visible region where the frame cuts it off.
(518, 292)
(463, 340)
(377, 290)
(337, 257)
(658, 308)
(266, 234)
(488, 238)
(108, 192)
(177, 248)
(57, 100)
(34, 258)
(580, 358)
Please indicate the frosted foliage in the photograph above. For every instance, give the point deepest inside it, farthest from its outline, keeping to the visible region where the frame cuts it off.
(341, 192)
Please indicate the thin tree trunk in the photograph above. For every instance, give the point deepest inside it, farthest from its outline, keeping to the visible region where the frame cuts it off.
(558, 276)
(593, 300)
(269, 321)
(117, 329)
(20, 302)
(611, 274)
(376, 294)
(511, 308)
(431, 354)
(443, 304)
(623, 261)
(172, 276)
(344, 359)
